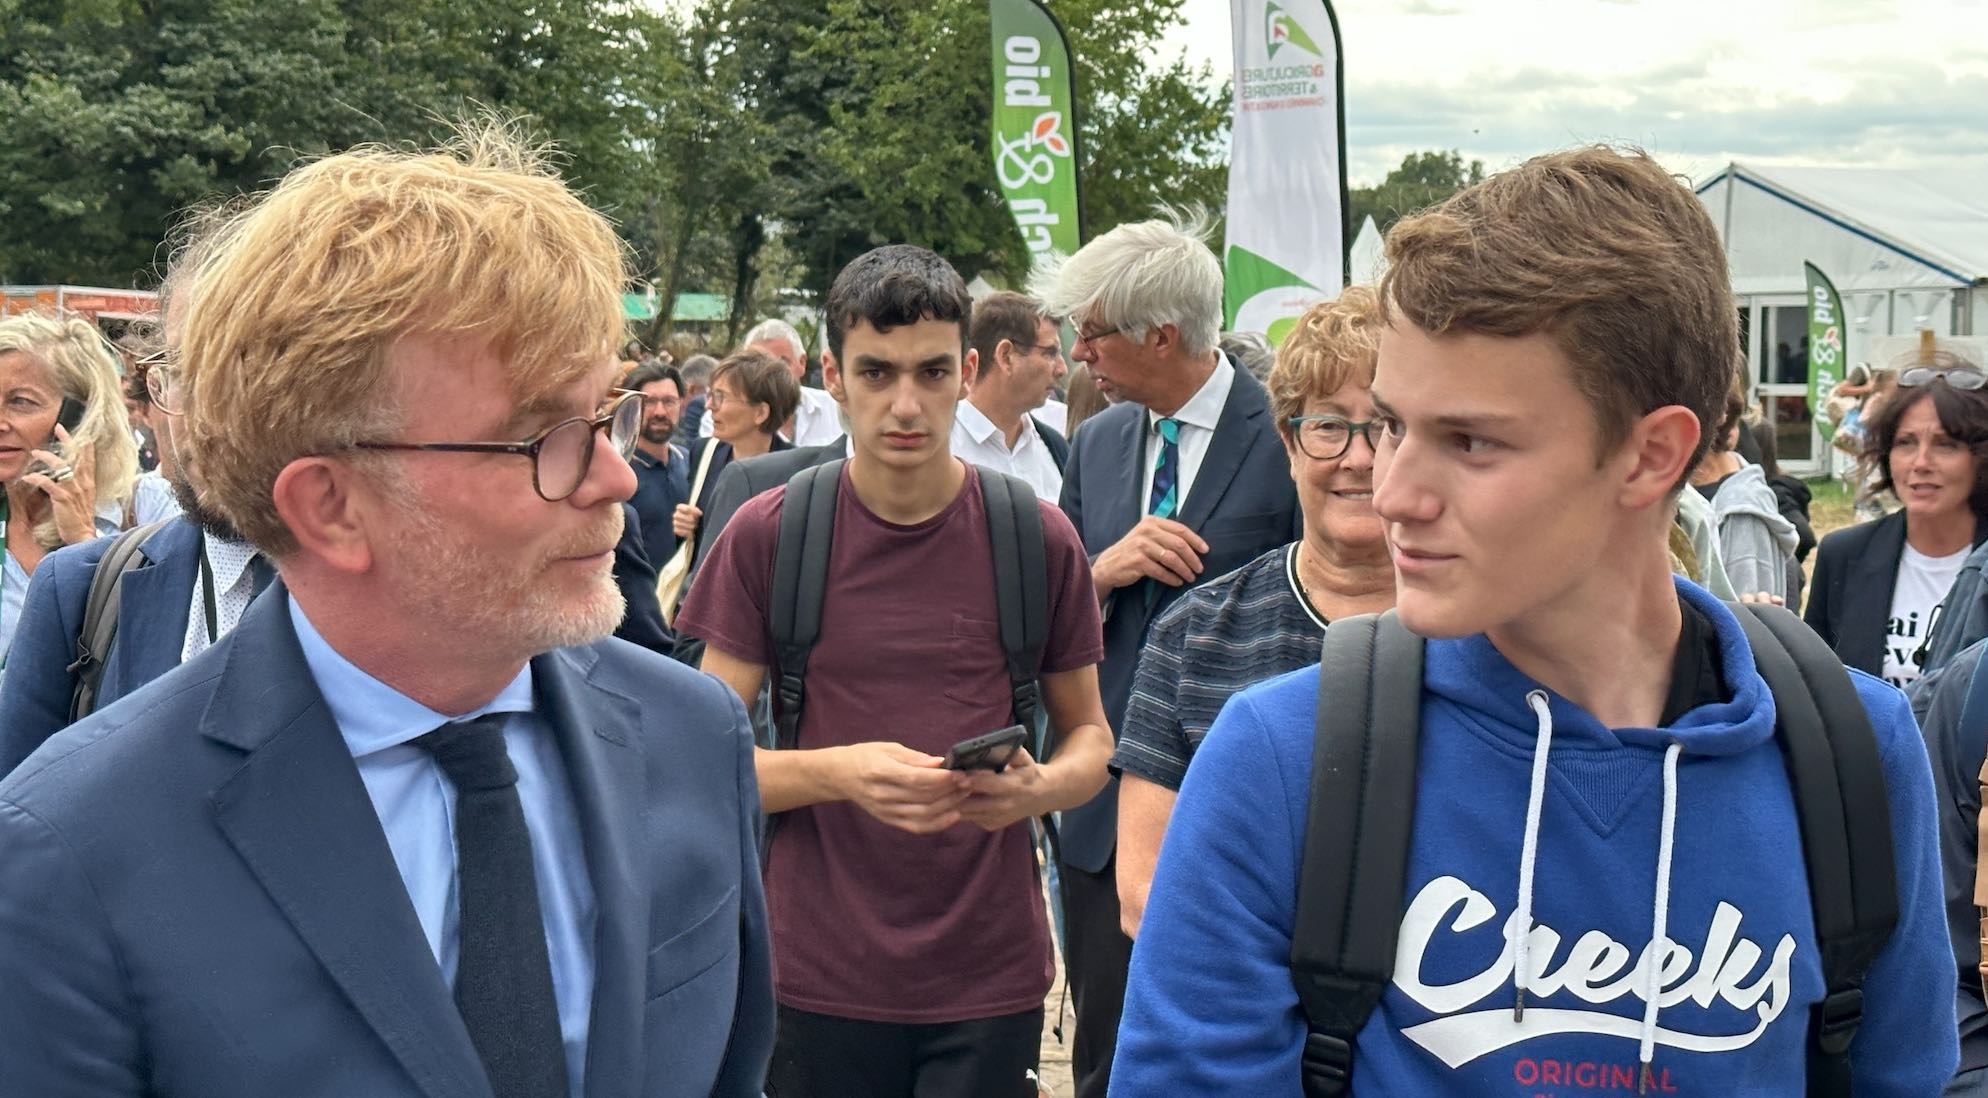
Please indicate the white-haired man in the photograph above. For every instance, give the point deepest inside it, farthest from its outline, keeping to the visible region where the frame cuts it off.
(1182, 479)
(815, 421)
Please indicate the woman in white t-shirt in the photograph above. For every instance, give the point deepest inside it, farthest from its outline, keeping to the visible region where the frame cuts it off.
(1879, 583)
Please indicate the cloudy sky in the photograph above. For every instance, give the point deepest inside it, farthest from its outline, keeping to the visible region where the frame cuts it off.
(1697, 82)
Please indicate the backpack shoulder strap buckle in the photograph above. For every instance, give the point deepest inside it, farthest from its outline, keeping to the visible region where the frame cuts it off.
(1837, 1017)
(1327, 1064)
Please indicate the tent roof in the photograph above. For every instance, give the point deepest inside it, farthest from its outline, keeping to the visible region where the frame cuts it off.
(1935, 216)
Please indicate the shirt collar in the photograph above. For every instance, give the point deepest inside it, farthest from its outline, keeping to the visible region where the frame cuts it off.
(228, 559)
(1204, 408)
(976, 424)
(373, 716)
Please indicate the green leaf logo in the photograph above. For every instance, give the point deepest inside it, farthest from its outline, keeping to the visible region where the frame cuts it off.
(1279, 30)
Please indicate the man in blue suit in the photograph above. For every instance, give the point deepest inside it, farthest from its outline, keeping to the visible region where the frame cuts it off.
(417, 826)
(1182, 480)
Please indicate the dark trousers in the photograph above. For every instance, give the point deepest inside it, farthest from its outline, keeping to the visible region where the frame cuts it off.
(821, 1056)
(1096, 954)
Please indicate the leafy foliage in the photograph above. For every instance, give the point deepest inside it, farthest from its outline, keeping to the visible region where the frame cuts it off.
(743, 147)
(1423, 180)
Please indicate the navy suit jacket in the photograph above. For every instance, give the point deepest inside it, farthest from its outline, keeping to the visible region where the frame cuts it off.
(151, 633)
(197, 899)
(152, 614)
(1242, 504)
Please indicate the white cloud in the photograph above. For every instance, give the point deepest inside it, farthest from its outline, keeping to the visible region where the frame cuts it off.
(1698, 82)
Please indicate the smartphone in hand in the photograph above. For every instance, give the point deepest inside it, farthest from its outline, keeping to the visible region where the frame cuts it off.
(67, 418)
(991, 751)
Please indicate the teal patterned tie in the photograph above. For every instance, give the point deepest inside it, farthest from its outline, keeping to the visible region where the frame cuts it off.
(1165, 499)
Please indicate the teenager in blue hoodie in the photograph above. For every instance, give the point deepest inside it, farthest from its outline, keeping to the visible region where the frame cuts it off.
(1598, 762)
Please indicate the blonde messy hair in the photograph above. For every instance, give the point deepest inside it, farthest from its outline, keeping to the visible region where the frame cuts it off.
(293, 310)
(1333, 345)
(83, 368)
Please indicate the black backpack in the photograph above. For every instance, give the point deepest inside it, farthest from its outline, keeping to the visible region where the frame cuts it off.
(1353, 876)
(100, 615)
(800, 576)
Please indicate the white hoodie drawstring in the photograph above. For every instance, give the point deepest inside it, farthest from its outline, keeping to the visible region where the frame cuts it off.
(1660, 929)
(1522, 940)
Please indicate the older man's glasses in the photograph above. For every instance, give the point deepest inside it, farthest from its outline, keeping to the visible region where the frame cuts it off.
(1324, 438)
(561, 454)
(161, 383)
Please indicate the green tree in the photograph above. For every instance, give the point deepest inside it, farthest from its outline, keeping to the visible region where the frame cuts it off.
(877, 114)
(120, 113)
(1422, 180)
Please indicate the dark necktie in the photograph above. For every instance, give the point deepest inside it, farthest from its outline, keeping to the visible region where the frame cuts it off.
(503, 973)
(1165, 499)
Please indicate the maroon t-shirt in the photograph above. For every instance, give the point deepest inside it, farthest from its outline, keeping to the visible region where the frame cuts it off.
(868, 921)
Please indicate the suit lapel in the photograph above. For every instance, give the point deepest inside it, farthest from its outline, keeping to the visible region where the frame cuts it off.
(153, 608)
(1235, 432)
(301, 819)
(596, 730)
(1868, 617)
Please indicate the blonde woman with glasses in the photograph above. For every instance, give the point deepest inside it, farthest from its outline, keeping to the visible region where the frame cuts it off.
(65, 456)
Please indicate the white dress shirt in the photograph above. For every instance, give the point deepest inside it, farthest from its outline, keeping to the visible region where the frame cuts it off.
(1197, 418)
(815, 420)
(978, 440)
(1054, 414)
(234, 586)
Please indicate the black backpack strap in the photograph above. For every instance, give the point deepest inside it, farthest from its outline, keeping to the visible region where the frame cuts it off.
(800, 576)
(1354, 872)
(1845, 815)
(1021, 586)
(100, 615)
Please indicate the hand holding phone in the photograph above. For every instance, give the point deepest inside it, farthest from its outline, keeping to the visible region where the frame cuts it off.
(991, 751)
(68, 419)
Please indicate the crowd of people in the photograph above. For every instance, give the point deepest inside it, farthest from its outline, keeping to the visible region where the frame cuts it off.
(458, 709)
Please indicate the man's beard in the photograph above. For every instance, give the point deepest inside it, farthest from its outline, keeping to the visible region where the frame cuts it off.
(466, 586)
(657, 435)
(189, 504)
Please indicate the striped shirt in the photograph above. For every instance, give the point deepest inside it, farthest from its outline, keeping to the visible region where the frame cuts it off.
(1231, 632)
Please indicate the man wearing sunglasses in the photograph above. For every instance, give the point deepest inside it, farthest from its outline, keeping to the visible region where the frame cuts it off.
(416, 826)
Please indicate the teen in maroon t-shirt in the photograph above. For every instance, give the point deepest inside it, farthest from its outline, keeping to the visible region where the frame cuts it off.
(911, 948)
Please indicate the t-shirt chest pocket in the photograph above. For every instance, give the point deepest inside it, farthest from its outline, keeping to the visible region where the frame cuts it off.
(971, 659)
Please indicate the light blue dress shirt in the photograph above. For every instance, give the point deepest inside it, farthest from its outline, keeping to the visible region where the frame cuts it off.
(417, 808)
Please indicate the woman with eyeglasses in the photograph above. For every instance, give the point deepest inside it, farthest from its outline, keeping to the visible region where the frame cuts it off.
(1269, 616)
(751, 395)
(1878, 584)
(66, 456)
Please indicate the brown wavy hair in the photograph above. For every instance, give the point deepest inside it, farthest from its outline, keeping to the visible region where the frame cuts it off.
(1601, 250)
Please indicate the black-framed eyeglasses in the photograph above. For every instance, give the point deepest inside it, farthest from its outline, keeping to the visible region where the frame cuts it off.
(1324, 438)
(1959, 377)
(1053, 349)
(1092, 338)
(561, 454)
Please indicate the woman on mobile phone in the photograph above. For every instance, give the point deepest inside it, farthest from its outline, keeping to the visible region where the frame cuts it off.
(65, 456)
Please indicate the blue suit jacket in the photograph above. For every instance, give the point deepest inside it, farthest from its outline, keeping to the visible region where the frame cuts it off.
(1242, 504)
(151, 633)
(197, 898)
(152, 614)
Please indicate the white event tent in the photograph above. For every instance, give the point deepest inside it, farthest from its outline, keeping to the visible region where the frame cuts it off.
(1906, 248)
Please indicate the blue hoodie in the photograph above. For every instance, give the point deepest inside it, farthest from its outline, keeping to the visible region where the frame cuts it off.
(1210, 1008)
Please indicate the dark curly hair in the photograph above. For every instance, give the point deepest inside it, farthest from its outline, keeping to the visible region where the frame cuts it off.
(1963, 416)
